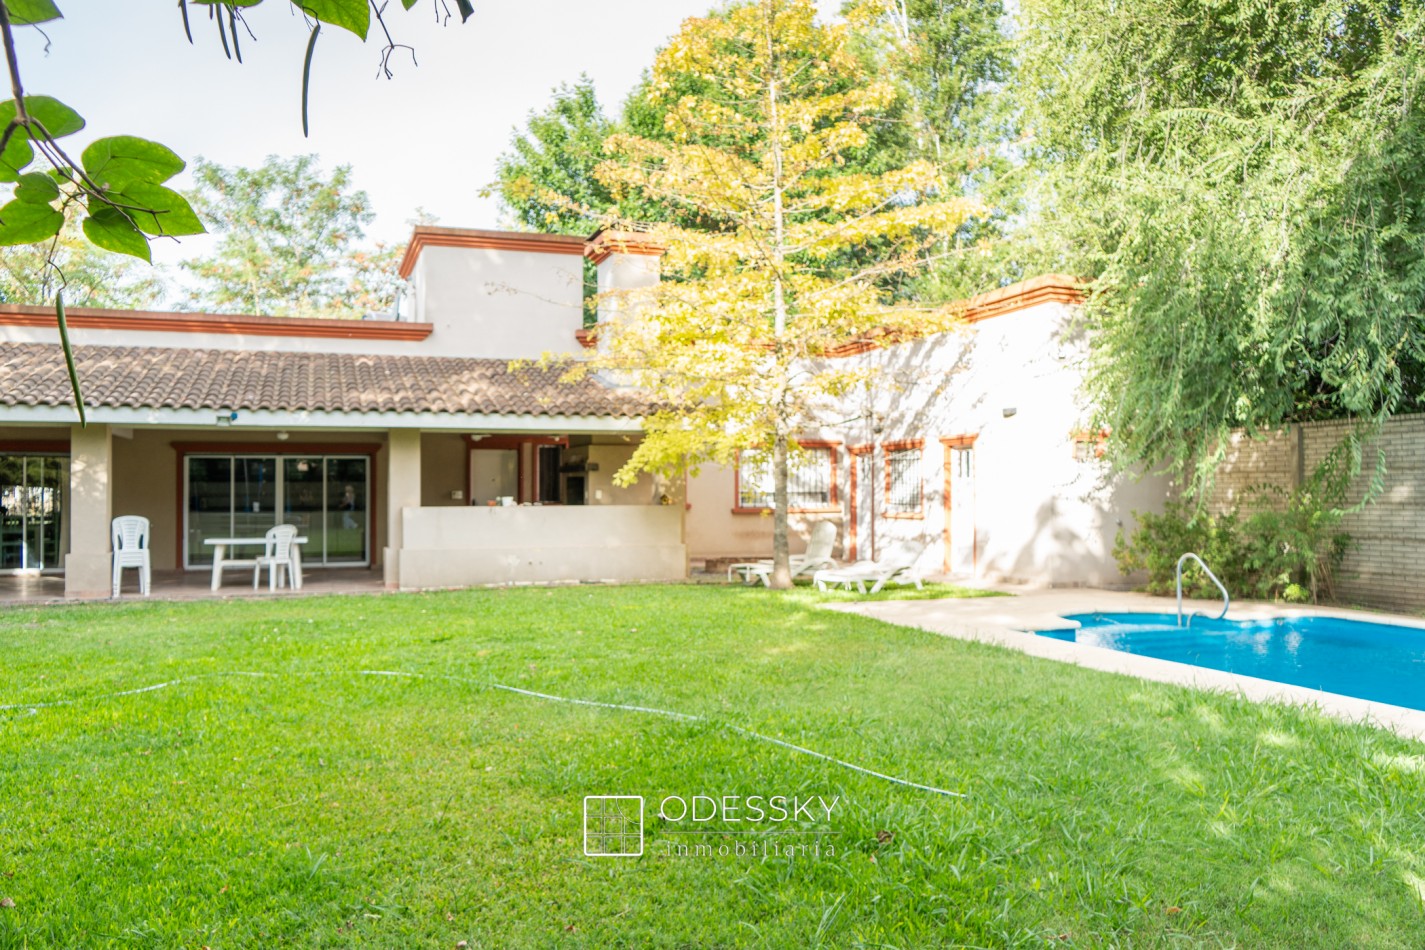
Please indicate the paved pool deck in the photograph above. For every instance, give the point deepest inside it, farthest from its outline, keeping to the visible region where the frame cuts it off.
(1005, 620)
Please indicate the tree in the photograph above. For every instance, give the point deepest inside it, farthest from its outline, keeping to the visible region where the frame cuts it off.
(733, 343)
(951, 60)
(91, 277)
(1247, 183)
(949, 63)
(954, 65)
(118, 183)
(290, 238)
(546, 180)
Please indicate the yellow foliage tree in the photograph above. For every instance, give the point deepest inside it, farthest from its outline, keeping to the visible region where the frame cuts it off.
(792, 255)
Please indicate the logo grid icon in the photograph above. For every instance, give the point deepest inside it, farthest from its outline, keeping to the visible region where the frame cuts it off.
(613, 826)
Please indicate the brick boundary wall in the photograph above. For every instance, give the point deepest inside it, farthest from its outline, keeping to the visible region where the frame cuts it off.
(1383, 568)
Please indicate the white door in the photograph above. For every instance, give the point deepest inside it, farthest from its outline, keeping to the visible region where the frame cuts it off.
(960, 509)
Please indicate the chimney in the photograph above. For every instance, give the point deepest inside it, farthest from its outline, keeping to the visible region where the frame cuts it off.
(626, 262)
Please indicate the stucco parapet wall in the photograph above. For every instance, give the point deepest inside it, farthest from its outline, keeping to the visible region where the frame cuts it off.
(1044, 289)
(528, 242)
(151, 321)
(462, 547)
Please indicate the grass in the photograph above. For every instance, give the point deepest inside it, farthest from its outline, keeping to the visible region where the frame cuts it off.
(315, 807)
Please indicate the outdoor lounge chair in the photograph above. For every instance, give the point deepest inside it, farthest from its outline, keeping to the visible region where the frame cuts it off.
(817, 557)
(130, 538)
(895, 566)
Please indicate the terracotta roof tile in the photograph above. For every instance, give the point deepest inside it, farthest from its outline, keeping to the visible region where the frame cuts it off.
(33, 374)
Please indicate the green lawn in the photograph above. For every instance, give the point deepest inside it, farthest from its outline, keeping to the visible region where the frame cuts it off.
(313, 806)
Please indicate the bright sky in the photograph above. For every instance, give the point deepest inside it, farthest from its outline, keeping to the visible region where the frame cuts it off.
(429, 138)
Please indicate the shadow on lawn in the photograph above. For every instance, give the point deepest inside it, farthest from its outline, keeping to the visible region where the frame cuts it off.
(805, 592)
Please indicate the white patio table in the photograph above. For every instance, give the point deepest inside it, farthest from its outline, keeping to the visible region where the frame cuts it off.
(220, 548)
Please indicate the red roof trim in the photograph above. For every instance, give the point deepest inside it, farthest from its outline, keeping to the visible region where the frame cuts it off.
(145, 321)
(425, 236)
(1047, 288)
(605, 244)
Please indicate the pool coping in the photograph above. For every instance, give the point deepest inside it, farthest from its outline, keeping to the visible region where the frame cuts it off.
(1009, 622)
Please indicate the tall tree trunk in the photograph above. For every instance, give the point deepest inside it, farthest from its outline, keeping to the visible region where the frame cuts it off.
(781, 560)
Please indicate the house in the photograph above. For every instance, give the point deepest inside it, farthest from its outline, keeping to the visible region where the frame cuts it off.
(414, 446)
(970, 443)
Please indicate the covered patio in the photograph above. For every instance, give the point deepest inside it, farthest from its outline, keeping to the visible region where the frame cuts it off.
(400, 472)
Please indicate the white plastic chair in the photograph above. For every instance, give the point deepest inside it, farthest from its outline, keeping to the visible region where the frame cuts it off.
(130, 539)
(277, 557)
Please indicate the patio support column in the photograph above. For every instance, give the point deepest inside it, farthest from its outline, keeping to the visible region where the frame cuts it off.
(87, 568)
(403, 490)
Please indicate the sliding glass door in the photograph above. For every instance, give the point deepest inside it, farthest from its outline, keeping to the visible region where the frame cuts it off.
(346, 521)
(32, 490)
(241, 496)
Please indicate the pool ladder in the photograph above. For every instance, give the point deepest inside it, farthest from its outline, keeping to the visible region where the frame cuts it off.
(1226, 600)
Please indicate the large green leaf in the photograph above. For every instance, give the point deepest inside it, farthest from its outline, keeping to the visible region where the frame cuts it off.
(353, 15)
(113, 232)
(120, 160)
(25, 223)
(37, 188)
(18, 153)
(158, 210)
(26, 12)
(58, 119)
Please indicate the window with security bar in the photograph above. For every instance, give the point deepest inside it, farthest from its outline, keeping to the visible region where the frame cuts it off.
(903, 481)
(809, 479)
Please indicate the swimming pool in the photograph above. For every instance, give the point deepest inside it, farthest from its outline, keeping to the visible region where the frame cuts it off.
(1380, 662)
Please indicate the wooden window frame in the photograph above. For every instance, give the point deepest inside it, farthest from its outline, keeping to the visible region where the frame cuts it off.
(832, 507)
(1089, 437)
(902, 445)
(853, 465)
(34, 447)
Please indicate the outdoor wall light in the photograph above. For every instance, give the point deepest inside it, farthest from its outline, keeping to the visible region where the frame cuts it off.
(282, 437)
(1009, 411)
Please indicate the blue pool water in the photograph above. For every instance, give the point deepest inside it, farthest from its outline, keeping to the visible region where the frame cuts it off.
(1374, 661)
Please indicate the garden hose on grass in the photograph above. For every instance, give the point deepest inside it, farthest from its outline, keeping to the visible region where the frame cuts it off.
(549, 697)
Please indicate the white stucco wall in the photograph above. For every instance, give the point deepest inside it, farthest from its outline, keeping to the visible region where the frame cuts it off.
(480, 302)
(1040, 516)
(493, 302)
(717, 530)
(456, 547)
